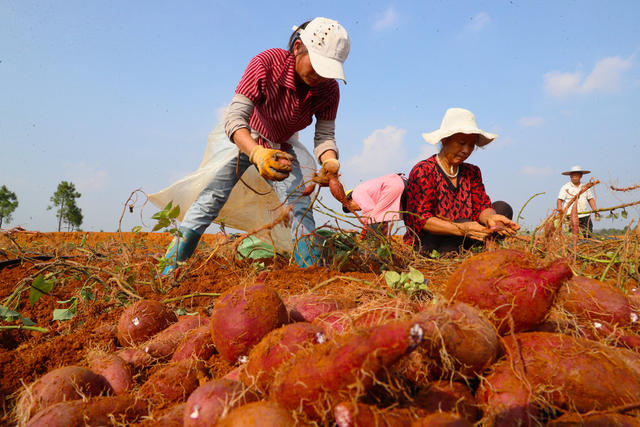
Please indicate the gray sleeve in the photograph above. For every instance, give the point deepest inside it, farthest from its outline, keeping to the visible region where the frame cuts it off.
(325, 138)
(237, 115)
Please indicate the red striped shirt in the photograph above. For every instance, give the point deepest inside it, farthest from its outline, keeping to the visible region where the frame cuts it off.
(270, 83)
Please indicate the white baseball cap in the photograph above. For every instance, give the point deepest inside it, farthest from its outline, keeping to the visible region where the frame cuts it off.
(328, 44)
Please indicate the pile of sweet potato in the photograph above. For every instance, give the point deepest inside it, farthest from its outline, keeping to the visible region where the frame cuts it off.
(484, 350)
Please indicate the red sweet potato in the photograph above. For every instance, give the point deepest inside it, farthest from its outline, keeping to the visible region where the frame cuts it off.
(117, 372)
(173, 417)
(196, 343)
(562, 371)
(98, 411)
(447, 396)
(325, 374)
(67, 383)
(164, 343)
(335, 322)
(174, 382)
(242, 316)
(142, 320)
(355, 414)
(258, 414)
(509, 285)
(276, 348)
(212, 400)
(441, 419)
(593, 300)
(306, 307)
(594, 420)
(135, 357)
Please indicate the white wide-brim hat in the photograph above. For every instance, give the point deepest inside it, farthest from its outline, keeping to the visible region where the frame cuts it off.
(576, 169)
(459, 120)
(328, 44)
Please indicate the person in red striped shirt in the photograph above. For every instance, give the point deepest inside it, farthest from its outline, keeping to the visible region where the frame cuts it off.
(278, 95)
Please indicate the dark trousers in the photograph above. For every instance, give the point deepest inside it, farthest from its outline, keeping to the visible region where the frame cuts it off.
(585, 225)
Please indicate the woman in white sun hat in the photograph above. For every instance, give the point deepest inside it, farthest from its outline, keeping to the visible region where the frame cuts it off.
(585, 200)
(446, 202)
(278, 95)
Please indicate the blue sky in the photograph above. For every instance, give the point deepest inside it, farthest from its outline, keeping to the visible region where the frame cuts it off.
(119, 95)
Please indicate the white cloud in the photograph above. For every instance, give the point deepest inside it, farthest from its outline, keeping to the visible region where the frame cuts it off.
(536, 171)
(386, 20)
(479, 21)
(382, 152)
(606, 76)
(531, 121)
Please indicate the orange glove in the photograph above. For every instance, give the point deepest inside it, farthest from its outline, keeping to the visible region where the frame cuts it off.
(273, 165)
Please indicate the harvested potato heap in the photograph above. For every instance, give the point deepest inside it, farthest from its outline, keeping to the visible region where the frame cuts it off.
(507, 342)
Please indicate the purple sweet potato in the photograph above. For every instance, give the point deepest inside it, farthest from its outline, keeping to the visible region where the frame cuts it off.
(258, 414)
(212, 400)
(164, 343)
(135, 357)
(276, 348)
(67, 383)
(306, 307)
(143, 319)
(447, 396)
(242, 316)
(509, 285)
(196, 343)
(98, 411)
(174, 382)
(325, 374)
(355, 414)
(593, 300)
(117, 372)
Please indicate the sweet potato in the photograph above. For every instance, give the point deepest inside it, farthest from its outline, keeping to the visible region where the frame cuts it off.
(593, 300)
(135, 357)
(164, 343)
(306, 307)
(276, 348)
(335, 322)
(357, 414)
(325, 374)
(564, 372)
(594, 420)
(142, 320)
(242, 316)
(173, 417)
(98, 411)
(213, 399)
(447, 396)
(67, 383)
(258, 414)
(196, 343)
(174, 382)
(117, 372)
(509, 285)
(441, 419)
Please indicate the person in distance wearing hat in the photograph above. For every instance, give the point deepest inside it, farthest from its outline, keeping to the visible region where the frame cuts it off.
(278, 95)
(585, 200)
(447, 206)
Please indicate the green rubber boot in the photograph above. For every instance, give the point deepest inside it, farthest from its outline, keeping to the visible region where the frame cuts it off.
(180, 249)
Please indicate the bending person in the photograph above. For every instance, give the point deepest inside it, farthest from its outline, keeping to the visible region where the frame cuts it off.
(446, 202)
(278, 95)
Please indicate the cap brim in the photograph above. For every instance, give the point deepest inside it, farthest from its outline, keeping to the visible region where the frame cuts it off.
(327, 67)
(439, 135)
(570, 172)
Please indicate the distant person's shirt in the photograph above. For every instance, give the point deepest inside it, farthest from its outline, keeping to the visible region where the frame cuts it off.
(430, 193)
(568, 192)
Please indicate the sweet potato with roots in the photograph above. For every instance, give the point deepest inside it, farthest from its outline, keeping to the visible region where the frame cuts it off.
(116, 371)
(242, 316)
(212, 400)
(594, 420)
(174, 382)
(509, 285)
(67, 383)
(196, 343)
(276, 348)
(258, 414)
(323, 375)
(357, 414)
(98, 411)
(306, 307)
(173, 417)
(143, 319)
(558, 370)
(441, 419)
(163, 344)
(135, 357)
(447, 396)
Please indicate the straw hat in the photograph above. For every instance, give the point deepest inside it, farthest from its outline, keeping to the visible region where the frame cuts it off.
(328, 44)
(576, 169)
(459, 120)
